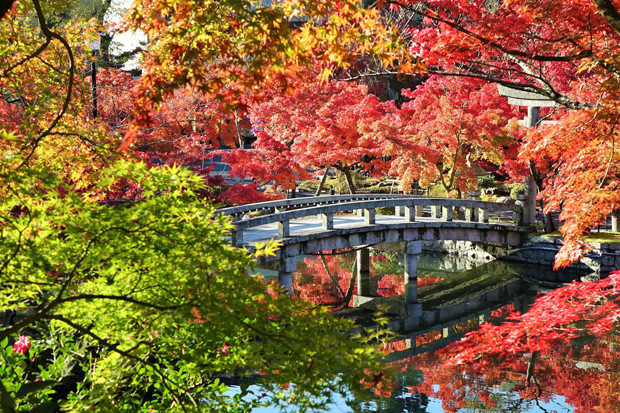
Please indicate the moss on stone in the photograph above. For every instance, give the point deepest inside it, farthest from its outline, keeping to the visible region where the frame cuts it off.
(600, 237)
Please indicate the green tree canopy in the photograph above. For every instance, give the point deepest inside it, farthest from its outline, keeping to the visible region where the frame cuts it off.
(120, 289)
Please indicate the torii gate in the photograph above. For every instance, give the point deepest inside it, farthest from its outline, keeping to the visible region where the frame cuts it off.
(533, 102)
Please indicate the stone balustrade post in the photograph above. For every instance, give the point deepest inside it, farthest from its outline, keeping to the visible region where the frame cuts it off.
(328, 220)
(517, 217)
(483, 215)
(410, 213)
(369, 216)
(447, 213)
(284, 229)
(471, 214)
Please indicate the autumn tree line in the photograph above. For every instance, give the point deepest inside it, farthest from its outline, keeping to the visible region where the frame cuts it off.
(118, 286)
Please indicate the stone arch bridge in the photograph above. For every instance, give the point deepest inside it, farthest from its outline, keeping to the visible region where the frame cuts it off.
(313, 224)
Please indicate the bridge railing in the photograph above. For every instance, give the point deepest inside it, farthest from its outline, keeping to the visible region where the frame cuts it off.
(441, 208)
(238, 212)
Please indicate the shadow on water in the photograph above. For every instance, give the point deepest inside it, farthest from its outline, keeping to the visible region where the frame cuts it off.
(457, 296)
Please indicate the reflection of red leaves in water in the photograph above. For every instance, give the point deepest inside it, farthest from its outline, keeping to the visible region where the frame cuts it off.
(391, 285)
(395, 346)
(557, 371)
(503, 311)
(426, 281)
(559, 316)
(326, 280)
(381, 386)
(586, 371)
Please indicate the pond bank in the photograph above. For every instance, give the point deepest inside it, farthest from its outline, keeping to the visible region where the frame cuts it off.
(538, 250)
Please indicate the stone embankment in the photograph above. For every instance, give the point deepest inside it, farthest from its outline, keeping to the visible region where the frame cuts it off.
(542, 249)
(538, 250)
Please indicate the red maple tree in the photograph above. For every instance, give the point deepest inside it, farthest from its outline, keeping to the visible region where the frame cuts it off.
(315, 128)
(448, 126)
(563, 51)
(185, 130)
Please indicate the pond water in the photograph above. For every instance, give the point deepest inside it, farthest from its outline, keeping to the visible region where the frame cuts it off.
(577, 376)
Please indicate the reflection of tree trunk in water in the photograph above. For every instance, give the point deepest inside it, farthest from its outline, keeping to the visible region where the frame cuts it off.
(531, 366)
(331, 277)
(349, 295)
(322, 183)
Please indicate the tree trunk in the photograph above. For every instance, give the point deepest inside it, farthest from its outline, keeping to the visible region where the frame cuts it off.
(331, 276)
(350, 184)
(549, 226)
(322, 183)
(538, 180)
(240, 139)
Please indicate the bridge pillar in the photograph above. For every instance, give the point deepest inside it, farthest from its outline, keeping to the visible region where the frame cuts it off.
(412, 251)
(363, 272)
(285, 273)
(237, 237)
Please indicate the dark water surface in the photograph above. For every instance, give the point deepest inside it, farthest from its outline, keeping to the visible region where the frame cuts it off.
(580, 376)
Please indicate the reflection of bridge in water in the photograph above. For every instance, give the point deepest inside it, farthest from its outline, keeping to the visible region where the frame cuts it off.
(468, 294)
(308, 225)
